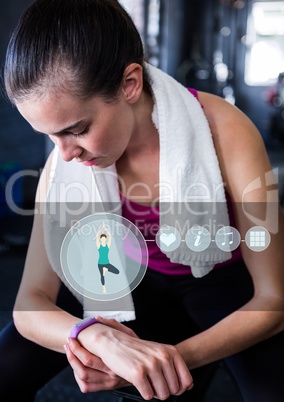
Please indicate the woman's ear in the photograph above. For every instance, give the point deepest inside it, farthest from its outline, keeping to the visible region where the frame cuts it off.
(133, 82)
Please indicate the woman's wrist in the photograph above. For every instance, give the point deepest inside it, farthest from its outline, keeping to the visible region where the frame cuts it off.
(190, 352)
(91, 337)
(81, 325)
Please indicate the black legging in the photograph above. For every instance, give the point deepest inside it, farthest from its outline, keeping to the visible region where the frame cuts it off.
(169, 309)
(110, 268)
(25, 367)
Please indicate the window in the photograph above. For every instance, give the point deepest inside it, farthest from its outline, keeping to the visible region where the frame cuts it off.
(146, 16)
(265, 43)
(135, 8)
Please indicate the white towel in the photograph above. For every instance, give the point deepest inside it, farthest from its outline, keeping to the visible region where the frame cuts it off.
(189, 171)
(188, 167)
(70, 187)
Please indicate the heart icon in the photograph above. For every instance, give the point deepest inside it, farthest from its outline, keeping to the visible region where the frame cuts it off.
(168, 239)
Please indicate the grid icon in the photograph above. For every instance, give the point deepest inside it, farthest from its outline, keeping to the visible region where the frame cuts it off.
(257, 239)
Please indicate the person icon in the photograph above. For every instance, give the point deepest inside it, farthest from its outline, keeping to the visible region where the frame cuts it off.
(103, 242)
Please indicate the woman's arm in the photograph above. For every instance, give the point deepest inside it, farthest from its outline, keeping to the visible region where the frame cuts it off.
(35, 313)
(98, 236)
(155, 369)
(124, 358)
(109, 237)
(243, 159)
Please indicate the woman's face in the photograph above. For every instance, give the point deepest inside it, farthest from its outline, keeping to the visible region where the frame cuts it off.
(91, 131)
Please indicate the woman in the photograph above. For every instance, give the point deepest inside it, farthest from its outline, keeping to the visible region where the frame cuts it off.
(87, 87)
(103, 245)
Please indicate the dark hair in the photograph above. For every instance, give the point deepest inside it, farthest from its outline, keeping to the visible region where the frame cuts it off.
(82, 46)
(103, 235)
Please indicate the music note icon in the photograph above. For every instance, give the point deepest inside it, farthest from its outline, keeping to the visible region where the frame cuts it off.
(228, 237)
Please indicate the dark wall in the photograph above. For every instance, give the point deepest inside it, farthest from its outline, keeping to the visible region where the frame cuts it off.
(20, 147)
(18, 143)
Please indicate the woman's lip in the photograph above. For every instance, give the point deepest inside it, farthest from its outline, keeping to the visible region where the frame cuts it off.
(91, 162)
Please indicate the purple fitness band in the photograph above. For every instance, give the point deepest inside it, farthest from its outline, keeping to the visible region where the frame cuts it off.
(80, 325)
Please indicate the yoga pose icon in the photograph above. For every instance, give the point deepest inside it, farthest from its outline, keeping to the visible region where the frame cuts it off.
(103, 244)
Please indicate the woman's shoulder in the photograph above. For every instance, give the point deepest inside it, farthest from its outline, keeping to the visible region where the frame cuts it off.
(239, 145)
(230, 127)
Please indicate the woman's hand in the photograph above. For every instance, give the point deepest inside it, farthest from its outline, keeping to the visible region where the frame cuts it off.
(156, 370)
(90, 372)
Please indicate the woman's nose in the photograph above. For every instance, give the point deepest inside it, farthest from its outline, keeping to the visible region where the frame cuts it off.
(68, 150)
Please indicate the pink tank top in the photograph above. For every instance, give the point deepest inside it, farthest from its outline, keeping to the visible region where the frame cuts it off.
(147, 220)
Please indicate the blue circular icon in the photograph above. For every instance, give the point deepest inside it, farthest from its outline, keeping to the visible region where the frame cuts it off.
(104, 256)
(228, 238)
(198, 238)
(168, 238)
(258, 238)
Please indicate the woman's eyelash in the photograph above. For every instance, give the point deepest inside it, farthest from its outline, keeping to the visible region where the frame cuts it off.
(85, 131)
